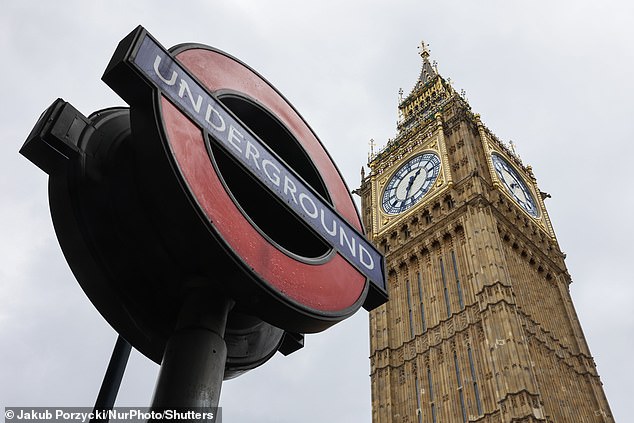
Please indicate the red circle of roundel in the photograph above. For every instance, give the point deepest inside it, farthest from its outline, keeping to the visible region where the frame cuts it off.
(328, 287)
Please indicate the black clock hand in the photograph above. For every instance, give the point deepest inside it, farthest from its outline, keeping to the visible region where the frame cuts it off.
(411, 182)
(409, 185)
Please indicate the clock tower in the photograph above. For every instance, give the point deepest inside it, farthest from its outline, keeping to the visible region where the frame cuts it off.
(480, 325)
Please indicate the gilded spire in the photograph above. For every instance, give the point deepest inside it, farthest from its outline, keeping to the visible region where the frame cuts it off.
(428, 95)
(427, 72)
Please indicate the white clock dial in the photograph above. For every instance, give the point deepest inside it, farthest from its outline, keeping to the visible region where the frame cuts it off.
(410, 183)
(514, 184)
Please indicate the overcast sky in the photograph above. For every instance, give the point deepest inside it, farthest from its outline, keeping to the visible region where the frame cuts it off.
(555, 77)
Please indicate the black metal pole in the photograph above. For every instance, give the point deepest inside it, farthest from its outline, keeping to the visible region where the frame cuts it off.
(112, 379)
(193, 364)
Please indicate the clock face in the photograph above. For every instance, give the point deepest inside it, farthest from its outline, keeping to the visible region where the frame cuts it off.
(515, 185)
(410, 183)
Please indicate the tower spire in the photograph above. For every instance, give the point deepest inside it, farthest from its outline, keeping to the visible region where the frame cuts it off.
(427, 95)
(427, 72)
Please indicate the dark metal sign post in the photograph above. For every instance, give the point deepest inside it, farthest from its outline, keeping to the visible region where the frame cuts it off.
(112, 379)
(207, 222)
(193, 365)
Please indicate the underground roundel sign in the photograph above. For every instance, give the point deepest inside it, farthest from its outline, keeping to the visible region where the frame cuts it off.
(257, 179)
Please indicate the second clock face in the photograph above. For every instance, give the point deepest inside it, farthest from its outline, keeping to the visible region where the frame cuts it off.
(410, 183)
(515, 185)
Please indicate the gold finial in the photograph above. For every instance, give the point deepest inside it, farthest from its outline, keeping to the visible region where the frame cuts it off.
(371, 147)
(423, 49)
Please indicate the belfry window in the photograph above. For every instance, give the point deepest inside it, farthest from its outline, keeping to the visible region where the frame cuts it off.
(418, 409)
(409, 307)
(476, 390)
(444, 284)
(431, 396)
(460, 390)
(458, 285)
(422, 305)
